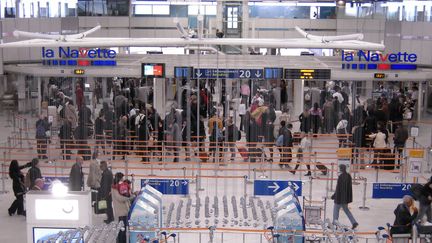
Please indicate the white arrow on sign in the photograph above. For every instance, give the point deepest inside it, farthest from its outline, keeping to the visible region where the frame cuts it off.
(258, 74)
(199, 74)
(185, 183)
(275, 187)
(296, 187)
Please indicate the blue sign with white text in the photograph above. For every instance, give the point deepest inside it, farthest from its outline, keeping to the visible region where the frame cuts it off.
(227, 73)
(168, 186)
(271, 187)
(390, 190)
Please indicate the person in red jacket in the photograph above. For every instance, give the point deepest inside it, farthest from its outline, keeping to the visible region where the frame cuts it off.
(79, 95)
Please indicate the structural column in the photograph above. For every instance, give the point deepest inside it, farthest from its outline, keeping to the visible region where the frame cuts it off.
(298, 101)
(159, 98)
(21, 88)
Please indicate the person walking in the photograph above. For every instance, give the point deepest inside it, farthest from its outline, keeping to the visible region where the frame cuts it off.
(425, 200)
(105, 190)
(76, 176)
(343, 196)
(18, 187)
(304, 150)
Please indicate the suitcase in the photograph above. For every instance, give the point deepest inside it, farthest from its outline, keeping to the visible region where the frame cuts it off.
(203, 156)
(243, 152)
(322, 168)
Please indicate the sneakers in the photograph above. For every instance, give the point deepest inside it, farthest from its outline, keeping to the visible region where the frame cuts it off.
(354, 226)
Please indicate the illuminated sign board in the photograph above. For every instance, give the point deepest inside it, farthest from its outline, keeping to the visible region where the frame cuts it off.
(379, 61)
(79, 71)
(273, 73)
(379, 75)
(67, 56)
(183, 72)
(307, 73)
(153, 70)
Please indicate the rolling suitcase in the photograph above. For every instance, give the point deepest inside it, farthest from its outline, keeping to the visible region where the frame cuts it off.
(322, 168)
(243, 152)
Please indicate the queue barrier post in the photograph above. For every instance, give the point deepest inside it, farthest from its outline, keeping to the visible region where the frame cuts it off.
(310, 188)
(245, 186)
(376, 174)
(332, 176)
(363, 206)
(3, 176)
(328, 185)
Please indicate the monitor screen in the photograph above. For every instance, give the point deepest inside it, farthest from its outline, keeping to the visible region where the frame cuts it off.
(153, 70)
(41, 234)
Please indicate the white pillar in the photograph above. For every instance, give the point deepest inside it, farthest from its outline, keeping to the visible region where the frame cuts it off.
(21, 93)
(298, 101)
(245, 23)
(219, 15)
(39, 98)
(159, 98)
(420, 102)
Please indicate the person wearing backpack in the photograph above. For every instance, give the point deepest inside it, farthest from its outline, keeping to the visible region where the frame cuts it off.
(32, 174)
(42, 128)
(18, 187)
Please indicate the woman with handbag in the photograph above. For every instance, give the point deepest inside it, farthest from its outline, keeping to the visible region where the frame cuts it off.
(18, 187)
(121, 205)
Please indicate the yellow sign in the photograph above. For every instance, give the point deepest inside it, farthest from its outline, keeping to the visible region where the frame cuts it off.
(416, 153)
(344, 153)
(79, 71)
(379, 75)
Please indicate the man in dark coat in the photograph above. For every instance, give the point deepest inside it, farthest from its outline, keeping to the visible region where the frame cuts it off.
(404, 217)
(343, 195)
(105, 190)
(425, 200)
(34, 172)
(286, 155)
(76, 176)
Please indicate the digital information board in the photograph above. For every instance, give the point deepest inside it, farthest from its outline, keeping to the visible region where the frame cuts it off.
(307, 73)
(153, 70)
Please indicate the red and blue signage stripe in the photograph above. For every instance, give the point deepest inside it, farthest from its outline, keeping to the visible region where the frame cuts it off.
(378, 66)
(80, 62)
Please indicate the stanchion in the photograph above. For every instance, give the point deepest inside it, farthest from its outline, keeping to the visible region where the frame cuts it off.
(376, 174)
(8, 120)
(310, 188)
(20, 138)
(328, 186)
(254, 174)
(3, 176)
(245, 186)
(332, 177)
(363, 206)
(127, 166)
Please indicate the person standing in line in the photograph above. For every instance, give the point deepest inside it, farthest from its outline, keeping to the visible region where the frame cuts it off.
(94, 178)
(18, 187)
(232, 133)
(343, 196)
(99, 134)
(400, 138)
(105, 190)
(65, 136)
(76, 176)
(33, 173)
(42, 127)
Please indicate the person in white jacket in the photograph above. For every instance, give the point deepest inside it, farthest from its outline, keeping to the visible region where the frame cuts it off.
(379, 144)
(304, 153)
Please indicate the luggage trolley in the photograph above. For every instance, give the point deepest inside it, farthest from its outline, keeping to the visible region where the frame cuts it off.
(314, 212)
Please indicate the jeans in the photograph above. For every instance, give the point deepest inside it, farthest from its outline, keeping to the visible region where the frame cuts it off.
(425, 209)
(348, 213)
(122, 234)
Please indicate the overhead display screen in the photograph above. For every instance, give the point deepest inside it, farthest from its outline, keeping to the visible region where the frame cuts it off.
(307, 73)
(153, 70)
(273, 73)
(183, 72)
(379, 75)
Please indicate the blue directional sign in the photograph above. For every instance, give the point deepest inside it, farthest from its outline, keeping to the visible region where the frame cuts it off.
(48, 181)
(168, 186)
(227, 73)
(273, 73)
(270, 187)
(391, 190)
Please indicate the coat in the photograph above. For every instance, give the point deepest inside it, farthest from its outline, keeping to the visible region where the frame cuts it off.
(105, 184)
(403, 215)
(76, 178)
(343, 193)
(71, 115)
(35, 173)
(121, 204)
(94, 176)
(380, 140)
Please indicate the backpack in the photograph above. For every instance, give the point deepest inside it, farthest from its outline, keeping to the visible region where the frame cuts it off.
(280, 140)
(27, 180)
(40, 131)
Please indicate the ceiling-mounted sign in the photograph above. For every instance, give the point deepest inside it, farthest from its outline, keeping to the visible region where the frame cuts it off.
(79, 71)
(273, 73)
(227, 73)
(379, 75)
(183, 72)
(153, 70)
(307, 74)
(67, 56)
(369, 60)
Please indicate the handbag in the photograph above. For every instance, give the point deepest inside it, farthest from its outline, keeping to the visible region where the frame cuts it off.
(102, 205)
